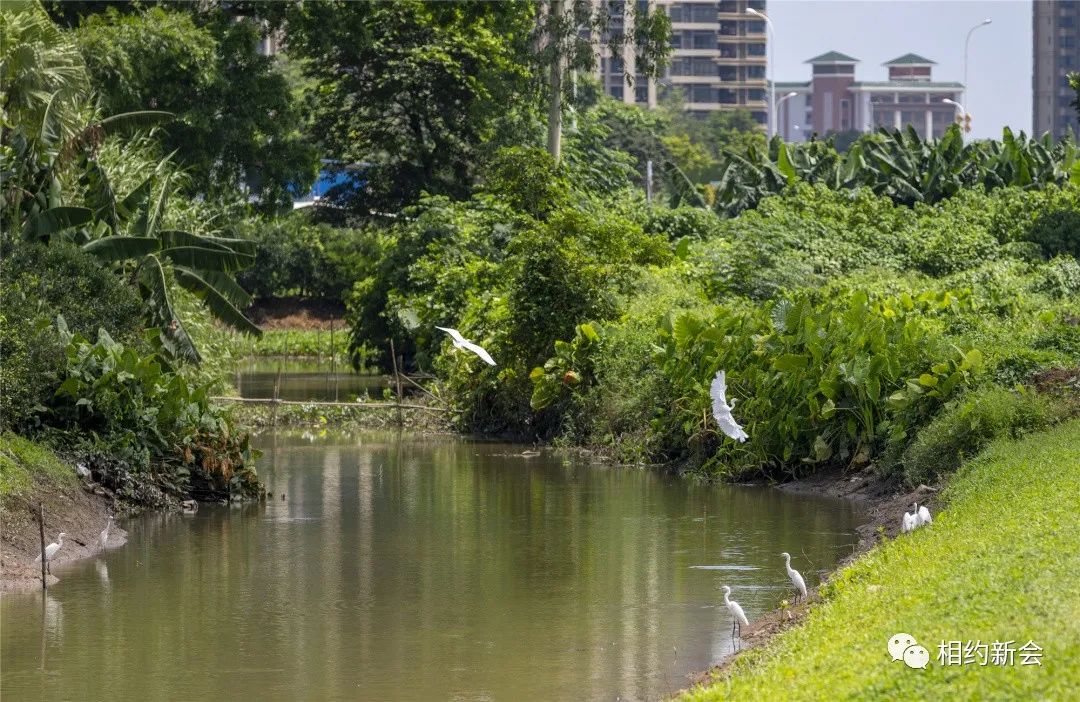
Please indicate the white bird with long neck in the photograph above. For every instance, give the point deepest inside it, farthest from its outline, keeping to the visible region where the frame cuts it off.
(922, 514)
(795, 577)
(51, 550)
(738, 616)
(461, 342)
(105, 533)
(722, 410)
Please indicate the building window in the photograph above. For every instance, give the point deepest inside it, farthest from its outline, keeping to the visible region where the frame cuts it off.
(759, 117)
(728, 6)
(641, 95)
(702, 93)
(755, 27)
(726, 96)
(884, 118)
(876, 99)
(845, 114)
(693, 66)
(755, 49)
(755, 72)
(617, 92)
(909, 98)
(915, 119)
(729, 29)
(727, 73)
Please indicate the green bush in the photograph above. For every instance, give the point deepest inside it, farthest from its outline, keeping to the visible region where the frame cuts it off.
(969, 424)
(146, 414)
(39, 282)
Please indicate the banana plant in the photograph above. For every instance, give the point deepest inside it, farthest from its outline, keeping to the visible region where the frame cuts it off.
(203, 265)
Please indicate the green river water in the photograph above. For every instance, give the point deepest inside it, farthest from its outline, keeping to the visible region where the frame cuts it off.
(419, 568)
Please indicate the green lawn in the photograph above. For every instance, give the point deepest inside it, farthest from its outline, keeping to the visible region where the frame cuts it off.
(1001, 562)
(20, 459)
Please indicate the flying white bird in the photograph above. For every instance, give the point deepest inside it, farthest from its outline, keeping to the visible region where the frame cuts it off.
(795, 576)
(105, 533)
(461, 342)
(737, 614)
(51, 550)
(722, 410)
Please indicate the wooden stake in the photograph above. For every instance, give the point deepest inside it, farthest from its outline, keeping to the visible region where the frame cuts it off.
(277, 387)
(41, 533)
(397, 382)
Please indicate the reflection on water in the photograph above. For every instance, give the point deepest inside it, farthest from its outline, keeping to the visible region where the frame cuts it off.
(307, 379)
(420, 569)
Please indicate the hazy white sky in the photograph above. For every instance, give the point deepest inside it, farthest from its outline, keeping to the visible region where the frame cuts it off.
(875, 31)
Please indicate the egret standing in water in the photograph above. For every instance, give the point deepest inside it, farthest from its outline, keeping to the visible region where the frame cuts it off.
(737, 614)
(51, 550)
(105, 533)
(795, 576)
(461, 342)
(722, 410)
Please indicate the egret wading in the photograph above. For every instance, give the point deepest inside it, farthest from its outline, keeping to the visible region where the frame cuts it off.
(795, 577)
(105, 533)
(737, 613)
(51, 550)
(722, 410)
(461, 342)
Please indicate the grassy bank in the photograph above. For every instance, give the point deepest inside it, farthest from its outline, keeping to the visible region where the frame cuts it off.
(998, 564)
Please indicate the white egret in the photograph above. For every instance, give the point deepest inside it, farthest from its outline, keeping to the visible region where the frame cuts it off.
(105, 533)
(461, 342)
(722, 410)
(922, 514)
(737, 614)
(191, 506)
(909, 522)
(795, 576)
(82, 470)
(51, 550)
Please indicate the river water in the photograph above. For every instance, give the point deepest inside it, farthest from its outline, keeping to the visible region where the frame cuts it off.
(307, 379)
(418, 568)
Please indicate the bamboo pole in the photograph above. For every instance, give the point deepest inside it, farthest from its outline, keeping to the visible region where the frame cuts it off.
(317, 403)
(41, 534)
(397, 381)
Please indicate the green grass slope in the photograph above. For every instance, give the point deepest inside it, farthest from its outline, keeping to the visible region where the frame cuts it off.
(999, 563)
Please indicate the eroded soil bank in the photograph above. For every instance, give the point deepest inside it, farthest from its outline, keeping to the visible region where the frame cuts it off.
(80, 510)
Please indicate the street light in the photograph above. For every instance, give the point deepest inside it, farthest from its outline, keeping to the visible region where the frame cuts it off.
(781, 102)
(967, 42)
(772, 68)
(963, 113)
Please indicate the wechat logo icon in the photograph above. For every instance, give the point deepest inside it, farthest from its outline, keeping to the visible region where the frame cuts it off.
(903, 647)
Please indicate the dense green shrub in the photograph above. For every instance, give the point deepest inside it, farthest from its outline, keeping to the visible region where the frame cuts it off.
(146, 414)
(969, 424)
(37, 283)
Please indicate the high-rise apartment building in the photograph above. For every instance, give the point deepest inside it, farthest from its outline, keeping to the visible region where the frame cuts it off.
(1056, 44)
(718, 58)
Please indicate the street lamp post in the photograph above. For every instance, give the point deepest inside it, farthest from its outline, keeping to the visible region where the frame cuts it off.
(781, 102)
(960, 109)
(772, 68)
(967, 42)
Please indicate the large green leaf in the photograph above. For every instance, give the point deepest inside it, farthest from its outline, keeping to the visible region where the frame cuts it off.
(120, 248)
(175, 237)
(155, 293)
(227, 286)
(42, 225)
(131, 122)
(215, 300)
(205, 258)
(99, 194)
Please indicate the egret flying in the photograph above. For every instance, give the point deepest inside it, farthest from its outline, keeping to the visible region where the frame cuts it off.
(722, 410)
(105, 533)
(51, 550)
(461, 342)
(737, 614)
(795, 576)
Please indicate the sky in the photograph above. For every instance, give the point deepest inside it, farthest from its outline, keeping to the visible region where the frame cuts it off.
(875, 31)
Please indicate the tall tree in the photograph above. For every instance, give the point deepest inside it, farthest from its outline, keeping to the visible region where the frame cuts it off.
(238, 124)
(410, 90)
(570, 33)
